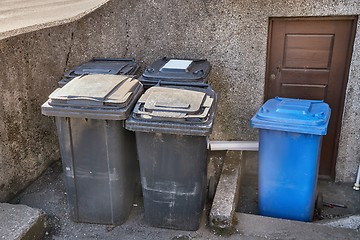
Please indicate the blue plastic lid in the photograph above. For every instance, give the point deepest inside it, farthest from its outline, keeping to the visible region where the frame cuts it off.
(293, 115)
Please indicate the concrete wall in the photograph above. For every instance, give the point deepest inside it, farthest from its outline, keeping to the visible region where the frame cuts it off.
(30, 65)
(232, 35)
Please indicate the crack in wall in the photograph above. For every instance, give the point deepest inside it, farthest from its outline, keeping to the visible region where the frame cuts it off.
(69, 51)
(127, 41)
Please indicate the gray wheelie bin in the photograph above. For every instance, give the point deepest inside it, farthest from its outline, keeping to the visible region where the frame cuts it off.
(172, 124)
(98, 153)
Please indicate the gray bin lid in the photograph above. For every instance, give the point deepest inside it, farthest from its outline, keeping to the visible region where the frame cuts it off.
(177, 70)
(112, 66)
(94, 96)
(174, 110)
(173, 104)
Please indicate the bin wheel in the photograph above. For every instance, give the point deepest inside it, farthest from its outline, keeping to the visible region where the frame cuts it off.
(319, 203)
(211, 188)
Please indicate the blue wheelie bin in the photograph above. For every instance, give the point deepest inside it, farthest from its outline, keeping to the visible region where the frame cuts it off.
(290, 136)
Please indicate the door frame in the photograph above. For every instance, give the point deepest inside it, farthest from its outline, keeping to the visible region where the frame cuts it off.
(354, 20)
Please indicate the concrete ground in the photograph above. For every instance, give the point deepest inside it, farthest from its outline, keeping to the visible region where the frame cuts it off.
(48, 193)
(21, 16)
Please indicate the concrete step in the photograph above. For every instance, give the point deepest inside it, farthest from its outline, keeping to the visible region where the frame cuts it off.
(29, 15)
(226, 196)
(20, 222)
(259, 227)
(352, 222)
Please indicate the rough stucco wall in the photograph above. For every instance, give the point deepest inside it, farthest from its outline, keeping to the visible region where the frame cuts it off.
(212, 30)
(232, 35)
(27, 72)
(31, 65)
(348, 158)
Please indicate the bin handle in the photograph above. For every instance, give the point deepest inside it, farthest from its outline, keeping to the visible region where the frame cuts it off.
(203, 85)
(113, 59)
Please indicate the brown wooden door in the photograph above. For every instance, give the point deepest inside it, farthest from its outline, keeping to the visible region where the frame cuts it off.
(309, 58)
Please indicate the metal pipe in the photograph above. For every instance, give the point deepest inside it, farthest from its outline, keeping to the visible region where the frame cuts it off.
(233, 145)
(357, 183)
(253, 146)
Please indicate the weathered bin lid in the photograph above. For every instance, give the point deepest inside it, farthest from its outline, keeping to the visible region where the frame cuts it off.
(293, 115)
(174, 110)
(111, 66)
(94, 96)
(177, 70)
(173, 104)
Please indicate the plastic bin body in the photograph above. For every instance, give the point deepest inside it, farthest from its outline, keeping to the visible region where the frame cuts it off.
(174, 173)
(98, 154)
(288, 171)
(290, 136)
(100, 168)
(172, 153)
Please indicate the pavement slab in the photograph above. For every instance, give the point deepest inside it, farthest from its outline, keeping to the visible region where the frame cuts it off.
(20, 222)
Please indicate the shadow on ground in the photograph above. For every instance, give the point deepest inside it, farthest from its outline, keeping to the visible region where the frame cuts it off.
(48, 193)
